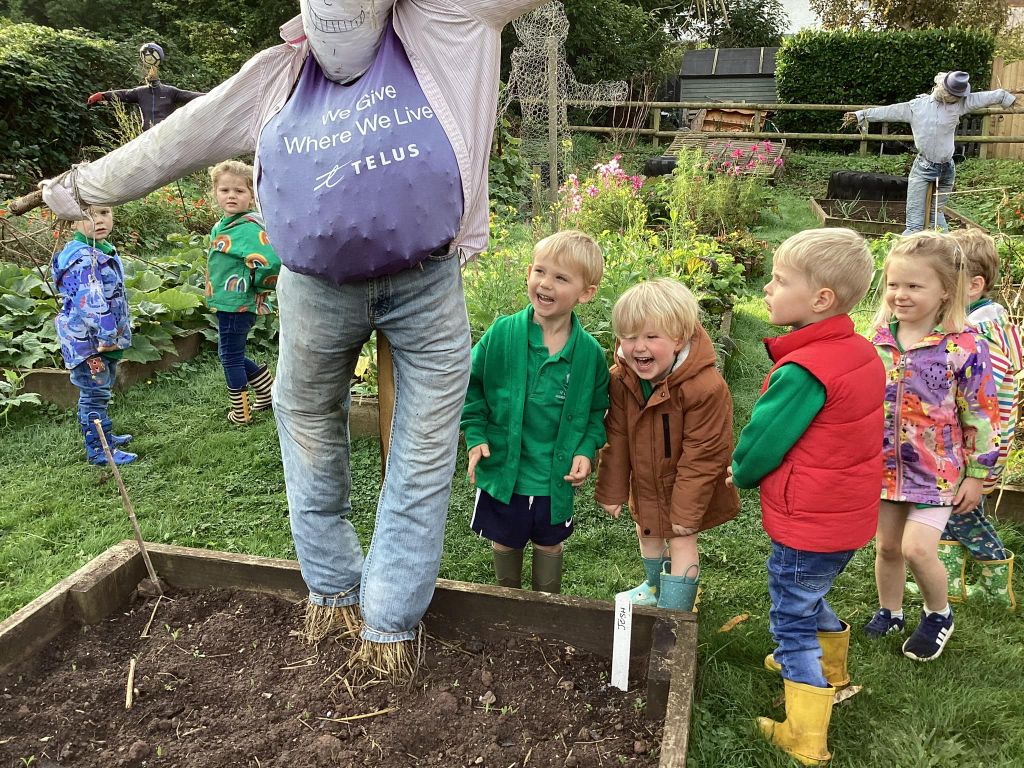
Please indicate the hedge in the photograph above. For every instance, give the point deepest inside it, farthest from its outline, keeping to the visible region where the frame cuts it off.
(872, 67)
(45, 77)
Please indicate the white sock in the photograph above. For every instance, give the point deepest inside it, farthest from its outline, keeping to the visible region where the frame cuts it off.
(896, 614)
(944, 612)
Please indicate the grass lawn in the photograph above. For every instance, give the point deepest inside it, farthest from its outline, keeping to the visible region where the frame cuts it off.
(203, 483)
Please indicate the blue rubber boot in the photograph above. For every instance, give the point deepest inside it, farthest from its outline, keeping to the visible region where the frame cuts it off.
(647, 593)
(120, 440)
(679, 593)
(94, 448)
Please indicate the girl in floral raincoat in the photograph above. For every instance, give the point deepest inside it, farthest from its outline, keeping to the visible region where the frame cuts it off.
(941, 436)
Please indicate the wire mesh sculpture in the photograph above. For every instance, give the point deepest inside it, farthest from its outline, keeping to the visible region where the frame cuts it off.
(543, 84)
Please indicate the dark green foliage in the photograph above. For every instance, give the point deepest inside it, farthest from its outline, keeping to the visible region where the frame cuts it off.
(871, 67)
(45, 77)
(752, 24)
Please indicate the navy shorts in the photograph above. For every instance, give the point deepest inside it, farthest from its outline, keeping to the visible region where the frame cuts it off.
(523, 519)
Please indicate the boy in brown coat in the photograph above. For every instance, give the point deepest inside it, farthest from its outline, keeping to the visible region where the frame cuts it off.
(669, 428)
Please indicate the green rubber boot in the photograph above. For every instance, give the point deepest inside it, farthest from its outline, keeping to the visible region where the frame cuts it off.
(995, 582)
(547, 571)
(953, 556)
(678, 593)
(647, 593)
(508, 568)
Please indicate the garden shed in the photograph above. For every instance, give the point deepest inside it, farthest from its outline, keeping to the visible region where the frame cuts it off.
(728, 74)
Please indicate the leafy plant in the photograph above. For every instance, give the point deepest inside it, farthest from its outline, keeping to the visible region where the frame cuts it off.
(9, 397)
(718, 194)
(606, 201)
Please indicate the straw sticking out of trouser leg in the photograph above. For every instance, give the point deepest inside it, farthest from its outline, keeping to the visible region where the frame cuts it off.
(395, 662)
(321, 620)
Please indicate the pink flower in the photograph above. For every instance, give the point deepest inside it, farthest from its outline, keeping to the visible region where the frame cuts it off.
(592, 191)
(762, 158)
(737, 153)
(777, 161)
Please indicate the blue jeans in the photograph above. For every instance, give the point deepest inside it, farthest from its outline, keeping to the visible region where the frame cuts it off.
(922, 175)
(233, 331)
(975, 531)
(94, 388)
(422, 312)
(797, 584)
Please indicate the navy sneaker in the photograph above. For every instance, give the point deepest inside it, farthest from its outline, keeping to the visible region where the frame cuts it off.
(930, 637)
(883, 623)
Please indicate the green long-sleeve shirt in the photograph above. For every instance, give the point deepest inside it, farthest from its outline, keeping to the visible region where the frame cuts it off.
(780, 417)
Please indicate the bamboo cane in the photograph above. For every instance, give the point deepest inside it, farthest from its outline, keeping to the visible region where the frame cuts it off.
(127, 505)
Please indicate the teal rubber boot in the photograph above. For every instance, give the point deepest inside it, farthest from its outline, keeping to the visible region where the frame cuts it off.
(679, 593)
(647, 593)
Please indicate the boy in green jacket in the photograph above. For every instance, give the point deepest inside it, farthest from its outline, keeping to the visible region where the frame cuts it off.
(534, 412)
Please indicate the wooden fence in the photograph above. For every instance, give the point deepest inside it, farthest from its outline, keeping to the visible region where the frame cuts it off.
(654, 108)
(1011, 77)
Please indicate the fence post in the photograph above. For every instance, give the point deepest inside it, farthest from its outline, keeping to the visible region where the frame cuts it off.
(553, 116)
(757, 117)
(985, 127)
(656, 123)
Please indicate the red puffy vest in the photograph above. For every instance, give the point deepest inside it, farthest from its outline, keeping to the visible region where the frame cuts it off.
(824, 496)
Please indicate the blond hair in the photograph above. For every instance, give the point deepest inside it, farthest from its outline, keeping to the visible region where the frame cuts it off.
(980, 252)
(835, 258)
(234, 168)
(576, 250)
(665, 303)
(939, 252)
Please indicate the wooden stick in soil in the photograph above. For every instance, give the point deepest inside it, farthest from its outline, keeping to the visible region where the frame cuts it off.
(127, 505)
(130, 690)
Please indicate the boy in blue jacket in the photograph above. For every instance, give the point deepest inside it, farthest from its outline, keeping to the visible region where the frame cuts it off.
(93, 326)
(534, 412)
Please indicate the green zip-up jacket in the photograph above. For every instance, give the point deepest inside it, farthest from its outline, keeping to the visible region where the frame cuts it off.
(493, 413)
(242, 268)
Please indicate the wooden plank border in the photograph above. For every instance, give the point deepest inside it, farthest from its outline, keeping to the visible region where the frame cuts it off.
(666, 639)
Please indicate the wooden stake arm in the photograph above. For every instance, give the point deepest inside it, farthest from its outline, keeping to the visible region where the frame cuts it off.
(22, 205)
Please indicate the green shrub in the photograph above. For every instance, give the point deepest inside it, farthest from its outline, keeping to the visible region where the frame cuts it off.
(45, 76)
(716, 194)
(871, 67)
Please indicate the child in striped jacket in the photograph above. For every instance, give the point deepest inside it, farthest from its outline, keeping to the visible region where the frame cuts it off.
(971, 534)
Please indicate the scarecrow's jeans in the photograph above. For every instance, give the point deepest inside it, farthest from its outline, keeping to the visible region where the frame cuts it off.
(922, 175)
(422, 312)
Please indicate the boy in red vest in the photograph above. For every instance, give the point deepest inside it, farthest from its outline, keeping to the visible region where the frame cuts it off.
(814, 446)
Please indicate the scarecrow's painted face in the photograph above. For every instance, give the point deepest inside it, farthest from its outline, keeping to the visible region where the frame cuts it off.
(344, 34)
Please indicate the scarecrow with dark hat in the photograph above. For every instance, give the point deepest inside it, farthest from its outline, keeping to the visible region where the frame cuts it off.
(933, 119)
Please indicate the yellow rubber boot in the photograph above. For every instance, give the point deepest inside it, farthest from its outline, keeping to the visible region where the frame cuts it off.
(835, 651)
(804, 733)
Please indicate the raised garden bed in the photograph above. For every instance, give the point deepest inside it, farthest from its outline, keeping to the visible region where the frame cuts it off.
(220, 681)
(873, 217)
(53, 385)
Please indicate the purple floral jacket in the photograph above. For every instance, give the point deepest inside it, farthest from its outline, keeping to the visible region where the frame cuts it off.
(941, 415)
(93, 316)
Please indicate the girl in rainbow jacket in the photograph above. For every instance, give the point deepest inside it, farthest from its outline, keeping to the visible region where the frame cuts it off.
(941, 437)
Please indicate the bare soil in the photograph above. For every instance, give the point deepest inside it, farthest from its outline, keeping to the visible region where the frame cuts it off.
(221, 680)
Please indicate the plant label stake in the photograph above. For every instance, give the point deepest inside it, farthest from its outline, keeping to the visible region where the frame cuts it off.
(620, 640)
(127, 505)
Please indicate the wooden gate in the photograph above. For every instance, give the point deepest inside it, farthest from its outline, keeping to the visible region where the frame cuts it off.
(1011, 77)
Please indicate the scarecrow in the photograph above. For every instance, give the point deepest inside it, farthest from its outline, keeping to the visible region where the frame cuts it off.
(371, 127)
(156, 100)
(933, 119)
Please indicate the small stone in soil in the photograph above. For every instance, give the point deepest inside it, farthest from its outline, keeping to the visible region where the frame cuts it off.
(328, 748)
(139, 750)
(447, 703)
(640, 747)
(486, 678)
